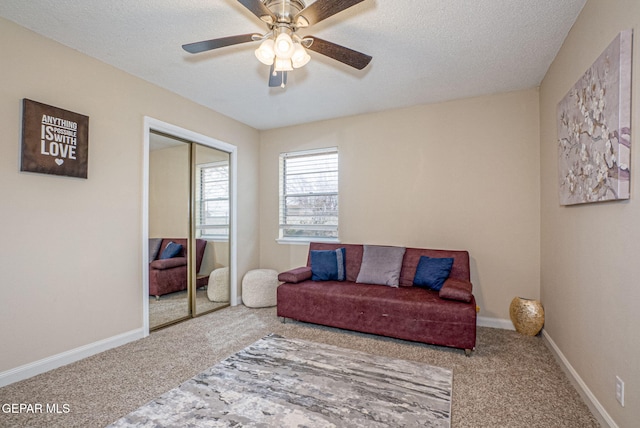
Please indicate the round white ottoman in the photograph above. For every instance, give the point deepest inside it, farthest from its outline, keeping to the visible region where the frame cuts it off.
(259, 288)
(218, 289)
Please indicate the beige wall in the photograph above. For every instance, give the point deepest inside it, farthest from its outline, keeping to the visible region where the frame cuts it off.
(590, 272)
(457, 175)
(169, 192)
(71, 266)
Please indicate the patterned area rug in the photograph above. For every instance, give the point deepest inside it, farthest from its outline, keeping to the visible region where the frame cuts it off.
(279, 382)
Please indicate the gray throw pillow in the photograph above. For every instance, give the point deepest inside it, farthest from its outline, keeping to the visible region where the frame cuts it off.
(381, 265)
(154, 248)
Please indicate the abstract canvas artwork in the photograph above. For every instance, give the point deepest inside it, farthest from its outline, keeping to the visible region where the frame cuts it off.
(594, 129)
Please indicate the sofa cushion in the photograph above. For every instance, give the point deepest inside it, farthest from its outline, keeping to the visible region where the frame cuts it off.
(455, 289)
(171, 250)
(162, 264)
(381, 265)
(295, 275)
(328, 265)
(337, 301)
(432, 272)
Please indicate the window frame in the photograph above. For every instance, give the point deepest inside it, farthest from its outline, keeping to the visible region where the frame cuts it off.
(282, 196)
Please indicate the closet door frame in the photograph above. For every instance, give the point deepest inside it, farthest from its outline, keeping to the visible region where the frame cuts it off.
(185, 134)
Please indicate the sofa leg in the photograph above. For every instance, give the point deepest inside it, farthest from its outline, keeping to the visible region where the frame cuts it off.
(467, 352)
(283, 320)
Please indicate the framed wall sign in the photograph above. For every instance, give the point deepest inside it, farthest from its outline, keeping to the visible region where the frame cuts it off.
(54, 141)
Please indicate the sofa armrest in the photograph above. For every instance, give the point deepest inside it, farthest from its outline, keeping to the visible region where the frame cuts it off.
(168, 263)
(296, 275)
(456, 289)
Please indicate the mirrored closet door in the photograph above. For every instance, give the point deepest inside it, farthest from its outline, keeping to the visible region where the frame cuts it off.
(212, 225)
(189, 226)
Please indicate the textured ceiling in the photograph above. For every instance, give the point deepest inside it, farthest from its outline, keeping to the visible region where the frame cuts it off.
(424, 51)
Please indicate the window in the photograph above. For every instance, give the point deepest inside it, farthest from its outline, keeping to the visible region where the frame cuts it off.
(309, 195)
(212, 201)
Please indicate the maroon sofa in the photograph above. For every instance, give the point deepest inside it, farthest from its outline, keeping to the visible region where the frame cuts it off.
(446, 317)
(170, 275)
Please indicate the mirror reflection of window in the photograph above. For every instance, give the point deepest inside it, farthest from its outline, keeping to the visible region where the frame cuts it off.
(212, 223)
(212, 202)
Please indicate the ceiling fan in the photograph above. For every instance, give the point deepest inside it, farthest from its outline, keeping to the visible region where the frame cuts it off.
(281, 47)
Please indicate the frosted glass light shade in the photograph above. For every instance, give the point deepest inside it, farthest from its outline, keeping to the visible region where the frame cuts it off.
(284, 47)
(300, 56)
(265, 53)
(283, 64)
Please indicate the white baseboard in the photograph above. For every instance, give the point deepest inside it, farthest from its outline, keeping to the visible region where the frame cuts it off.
(592, 402)
(37, 367)
(495, 323)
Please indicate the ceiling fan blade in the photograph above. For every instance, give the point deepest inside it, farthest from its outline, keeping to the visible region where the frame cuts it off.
(347, 56)
(322, 9)
(277, 78)
(258, 8)
(208, 45)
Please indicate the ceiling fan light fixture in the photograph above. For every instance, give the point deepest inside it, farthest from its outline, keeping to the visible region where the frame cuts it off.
(281, 48)
(265, 53)
(284, 47)
(300, 56)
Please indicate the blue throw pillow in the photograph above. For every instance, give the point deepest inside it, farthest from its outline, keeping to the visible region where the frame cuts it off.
(328, 265)
(171, 250)
(432, 272)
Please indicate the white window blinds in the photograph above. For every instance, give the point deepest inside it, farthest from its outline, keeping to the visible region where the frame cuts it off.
(212, 203)
(309, 195)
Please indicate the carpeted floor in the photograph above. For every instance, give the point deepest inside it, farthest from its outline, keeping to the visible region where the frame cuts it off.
(173, 306)
(510, 380)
